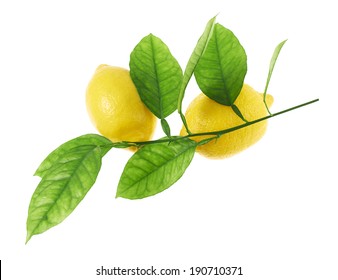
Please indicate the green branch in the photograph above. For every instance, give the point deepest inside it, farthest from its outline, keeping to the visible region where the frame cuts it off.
(215, 134)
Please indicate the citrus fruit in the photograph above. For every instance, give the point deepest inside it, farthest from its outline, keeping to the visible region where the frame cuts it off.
(115, 108)
(204, 115)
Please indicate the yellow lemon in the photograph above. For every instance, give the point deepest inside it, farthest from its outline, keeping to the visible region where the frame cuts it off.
(204, 115)
(115, 107)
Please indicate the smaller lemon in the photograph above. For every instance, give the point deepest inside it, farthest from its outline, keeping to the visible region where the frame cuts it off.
(204, 115)
(115, 107)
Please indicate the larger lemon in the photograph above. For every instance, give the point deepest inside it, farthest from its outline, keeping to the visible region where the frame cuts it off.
(115, 107)
(204, 115)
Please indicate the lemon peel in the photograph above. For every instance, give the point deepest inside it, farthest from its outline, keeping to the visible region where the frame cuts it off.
(204, 114)
(115, 108)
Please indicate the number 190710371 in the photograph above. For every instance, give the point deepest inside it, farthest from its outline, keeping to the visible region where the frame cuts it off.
(214, 270)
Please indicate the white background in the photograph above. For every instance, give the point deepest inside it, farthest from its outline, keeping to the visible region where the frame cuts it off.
(271, 210)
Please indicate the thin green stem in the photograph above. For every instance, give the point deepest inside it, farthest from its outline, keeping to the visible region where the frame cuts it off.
(215, 134)
(184, 121)
(266, 106)
(271, 67)
(221, 132)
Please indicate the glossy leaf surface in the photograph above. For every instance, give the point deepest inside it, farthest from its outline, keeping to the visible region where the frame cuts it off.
(155, 168)
(156, 75)
(221, 70)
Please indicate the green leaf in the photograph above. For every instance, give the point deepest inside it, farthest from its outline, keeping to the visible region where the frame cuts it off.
(67, 175)
(59, 153)
(165, 127)
(238, 112)
(221, 70)
(155, 168)
(156, 75)
(193, 61)
(271, 67)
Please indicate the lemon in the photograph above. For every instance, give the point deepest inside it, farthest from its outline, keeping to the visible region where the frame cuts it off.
(204, 115)
(115, 108)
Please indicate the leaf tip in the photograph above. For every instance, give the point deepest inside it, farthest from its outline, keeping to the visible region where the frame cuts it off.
(117, 195)
(281, 44)
(28, 237)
